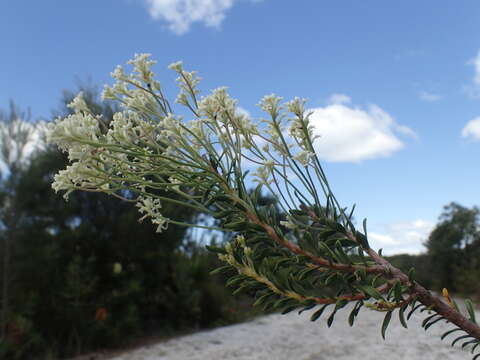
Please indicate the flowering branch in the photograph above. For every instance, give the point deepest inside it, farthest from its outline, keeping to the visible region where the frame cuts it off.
(315, 257)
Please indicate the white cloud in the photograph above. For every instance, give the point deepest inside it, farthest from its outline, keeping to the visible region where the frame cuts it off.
(339, 99)
(352, 134)
(476, 64)
(472, 129)
(405, 237)
(473, 90)
(429, 97)
(181, 14)
(243, 111)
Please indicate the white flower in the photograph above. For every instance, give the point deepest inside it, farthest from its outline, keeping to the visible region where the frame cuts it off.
(262, 174)
(240, 239)
(142, 65)
(108, 93)
(271, 104)
(289, 224)
(74, 134)
(296, 106)
(78, 103)
(303, 157)
(269, 164)
(176, 66)
(150, 207)
(79, 175)
(119, 73)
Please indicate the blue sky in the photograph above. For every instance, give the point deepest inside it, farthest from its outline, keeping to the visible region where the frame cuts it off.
(395, 86)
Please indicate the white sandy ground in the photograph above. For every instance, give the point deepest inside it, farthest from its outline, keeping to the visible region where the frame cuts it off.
(295, 337)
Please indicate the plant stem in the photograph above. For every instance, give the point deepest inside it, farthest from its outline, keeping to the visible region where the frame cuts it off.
(435, 302)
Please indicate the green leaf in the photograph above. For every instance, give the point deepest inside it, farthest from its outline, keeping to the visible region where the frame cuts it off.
(459, 338)
(330, 278)
(362, 257)
(341, 255)
(288, 309)
(297, 212)
(240, 289)
(236, 280)
(216, 249)
(413, 310)
(354, 313)
(427, 319)
(340, 304)
(471, 312)
(397, 291)
(331, 318)
(455, 305)
(401, 316)
(308, 307)
(365, 226)
(469, 342)
(280, 262)
(284, 302)
(262, 299)
(222, 214)
(237, 225)
(371, 291)
(434, 322)
(350, 216)
(318, 313)
(326, 249)
(362, 239)
(411, 275)
(304, 273)
(450, 332)
(474, 347)
(258, 193)
(220, 270)
(385, 323)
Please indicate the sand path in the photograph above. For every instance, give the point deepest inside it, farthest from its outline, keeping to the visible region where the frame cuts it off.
(294, 337)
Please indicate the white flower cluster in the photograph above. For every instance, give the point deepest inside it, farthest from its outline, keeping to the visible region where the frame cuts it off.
(150, 207)
(146, 147)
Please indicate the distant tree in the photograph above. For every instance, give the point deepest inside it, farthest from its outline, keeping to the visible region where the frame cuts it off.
(453, 244)
(420, 263)
(104, 275)
(20, 138)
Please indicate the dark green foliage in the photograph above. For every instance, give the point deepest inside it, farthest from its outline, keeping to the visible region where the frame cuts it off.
(452, 259)
(89, 275)
(386, 322)
(454, 250)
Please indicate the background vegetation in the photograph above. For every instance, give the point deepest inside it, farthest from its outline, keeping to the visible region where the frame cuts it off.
(85, 274)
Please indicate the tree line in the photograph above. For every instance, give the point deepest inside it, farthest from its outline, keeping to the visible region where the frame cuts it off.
(452, 257)
(85, 274)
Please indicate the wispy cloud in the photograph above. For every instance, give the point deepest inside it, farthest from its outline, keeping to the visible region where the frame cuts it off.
(339, 99)
(472, 129)
(181, 14)
(353, 134)
(403, 237)
(473, 90)
(429, 97)
(476, 65)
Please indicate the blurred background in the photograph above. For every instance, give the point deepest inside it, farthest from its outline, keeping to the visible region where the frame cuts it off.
(394, 90)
